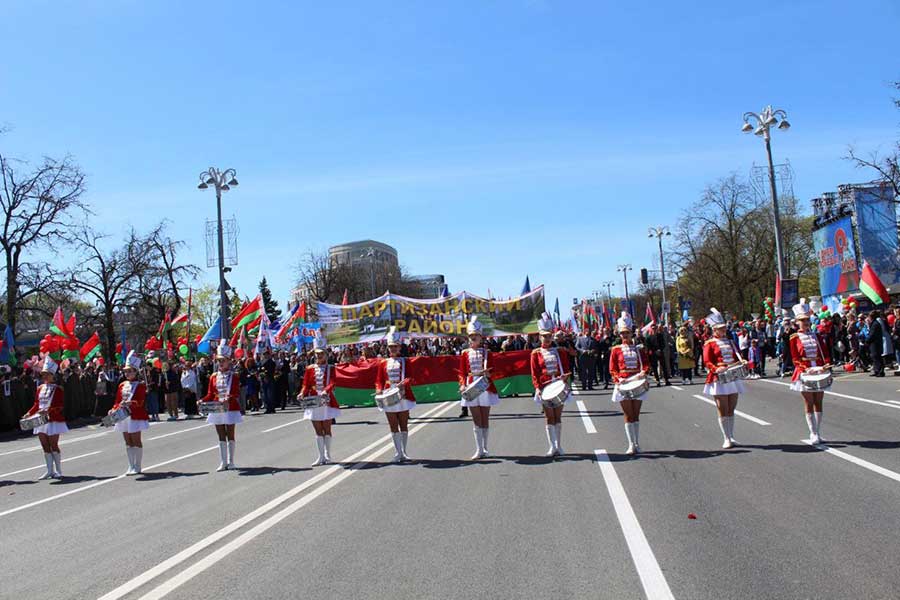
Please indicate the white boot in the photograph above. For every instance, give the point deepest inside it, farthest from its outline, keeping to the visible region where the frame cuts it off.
(130, 452)
(636, 435)
(819, 427)
(629, 435)
(404, 436)
(811, 424)
(551, 439)
(48, 458)
(733, 441)
(57, 462)
(231, 454)
(138, 457)
(320, 448)
(479, 442)
(398, 448)
(484, 442)
(223, 457)
(723, 425)
(559, 449)
(327, 440)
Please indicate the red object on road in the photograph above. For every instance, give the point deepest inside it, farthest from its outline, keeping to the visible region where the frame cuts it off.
(692, 516)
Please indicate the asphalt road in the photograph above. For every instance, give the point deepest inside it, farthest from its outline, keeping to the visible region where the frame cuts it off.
(776, 518)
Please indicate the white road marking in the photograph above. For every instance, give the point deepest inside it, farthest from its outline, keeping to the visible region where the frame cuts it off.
(675, 387)
(99, 483)
(894, 401)
(737, 412)
(585, 417)
(66, 440)
(282, 425)
(857, 461)
(830, 393)
(65, 460)
(197, 567)
(165, 435)
(652, 578)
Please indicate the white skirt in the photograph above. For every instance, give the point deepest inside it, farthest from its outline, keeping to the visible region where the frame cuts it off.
(52, 428)
(724, 389)
(232, 417)
(321, 413)
(617, 397)
(539, 401)
(399, 407)
(485, 398)
(130, 425)
(797, 386)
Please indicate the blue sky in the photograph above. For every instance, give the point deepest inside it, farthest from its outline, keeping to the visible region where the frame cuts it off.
(484, 140)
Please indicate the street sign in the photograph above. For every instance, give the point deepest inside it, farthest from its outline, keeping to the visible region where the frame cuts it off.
(667, 308)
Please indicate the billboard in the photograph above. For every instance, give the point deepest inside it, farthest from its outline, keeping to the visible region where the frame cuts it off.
(876, 225)
(838, 273)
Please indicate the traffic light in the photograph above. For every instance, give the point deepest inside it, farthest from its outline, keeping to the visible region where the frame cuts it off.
(644, 278)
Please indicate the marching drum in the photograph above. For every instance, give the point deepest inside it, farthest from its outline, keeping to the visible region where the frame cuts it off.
(733, 373)
(816, 379)
(389, 397)
(35, 420)
(553, 395)
(312, 401)
(634, 387)
(214, 406)
(478, 386)
(120, 414)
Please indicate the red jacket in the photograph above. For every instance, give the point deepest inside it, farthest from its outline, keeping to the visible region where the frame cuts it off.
(309, 384)
(802, 362)
(465, 375)
(382, 380)
(617, 364)
(713, 359)
(212, 392)
(138, 412)
(55, 411)
(539, 376)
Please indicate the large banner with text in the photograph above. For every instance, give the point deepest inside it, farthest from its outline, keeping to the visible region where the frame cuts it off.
(370, 321)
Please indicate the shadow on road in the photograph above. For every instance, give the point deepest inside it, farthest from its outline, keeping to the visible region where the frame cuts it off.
(254, 471)
(6, 482)
(66, 480)
(166, 475)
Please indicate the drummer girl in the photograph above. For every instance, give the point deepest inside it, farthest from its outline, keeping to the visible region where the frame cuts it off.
(225, 386)
(474, 362)
(626, 360)
(719, 354)
(49, 400)
(391, 374)
(132, 393)
(318, 379)
(807, 352)
(548, 364)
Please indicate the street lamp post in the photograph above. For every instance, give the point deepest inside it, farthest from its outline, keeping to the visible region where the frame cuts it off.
(624, 269)
(370, 254)
(764, 122)
(608, 285)
(658, 233)
(222, 181)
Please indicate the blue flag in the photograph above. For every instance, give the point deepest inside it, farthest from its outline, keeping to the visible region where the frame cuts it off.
(8, 352)
(213, 333)
(526, 289)
(556, 310)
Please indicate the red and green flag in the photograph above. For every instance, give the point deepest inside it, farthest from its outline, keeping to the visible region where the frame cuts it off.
(164, 327)
(249, 313)
(90, 348)
(297, 316)
(871, 286)
(62, 328)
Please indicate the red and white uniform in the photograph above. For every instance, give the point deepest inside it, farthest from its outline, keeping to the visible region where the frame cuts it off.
(720, 352)
(49, 399)
(547, 364)
(317, 380)
(472, 364)
(391, 371)
(626, 360)
(806, 352)
(224, 387)
(134, 394)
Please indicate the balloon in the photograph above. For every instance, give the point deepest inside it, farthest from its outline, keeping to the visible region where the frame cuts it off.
(239, 353)
(100, 361)
(183, 349)
(198, 338)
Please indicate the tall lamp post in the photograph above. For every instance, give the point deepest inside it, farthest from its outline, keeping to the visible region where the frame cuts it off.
(763, 123)
(658, 233)
(222, 181)
(624, 270)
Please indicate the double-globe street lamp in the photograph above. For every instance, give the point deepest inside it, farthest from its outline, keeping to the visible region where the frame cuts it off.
(222, 181)
(624, 270)
(761, 126)
(658, 233)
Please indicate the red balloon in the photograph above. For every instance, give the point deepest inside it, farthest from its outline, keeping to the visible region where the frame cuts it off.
(239, 353)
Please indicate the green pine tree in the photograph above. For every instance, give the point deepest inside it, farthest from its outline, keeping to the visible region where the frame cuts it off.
(269, 305)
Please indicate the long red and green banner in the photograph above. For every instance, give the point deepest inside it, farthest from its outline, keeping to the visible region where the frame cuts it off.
(433, 378)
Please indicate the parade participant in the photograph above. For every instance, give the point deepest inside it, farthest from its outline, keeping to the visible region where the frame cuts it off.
(392, 374)
(132, 393)
(548, 364)
(224, 386)
(719, 353)
(49, 400)
(475, 362)
(318, 379)
(627, 360)
(807, 352)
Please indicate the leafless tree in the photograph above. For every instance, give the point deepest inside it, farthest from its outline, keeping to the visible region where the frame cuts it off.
(163, 279)
(885, 167)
